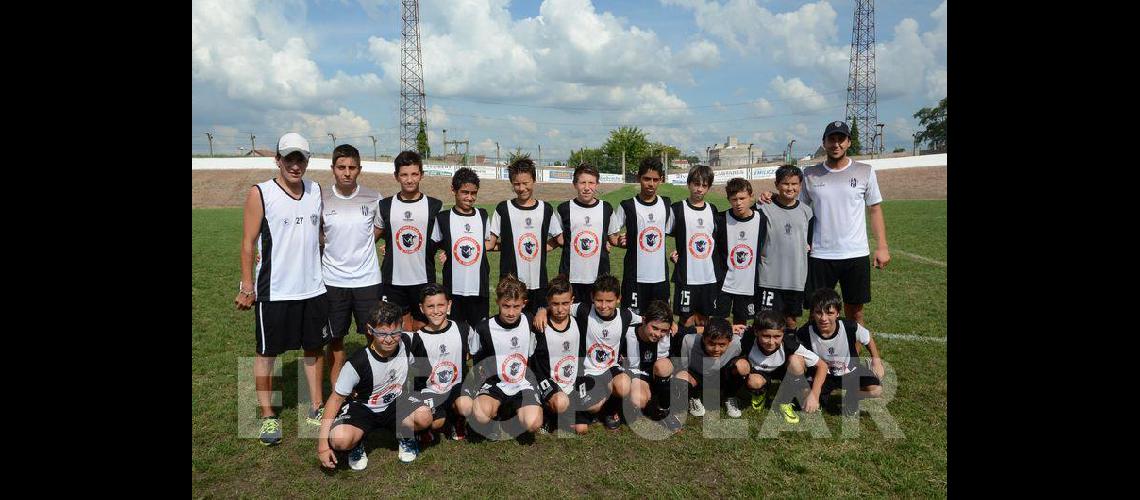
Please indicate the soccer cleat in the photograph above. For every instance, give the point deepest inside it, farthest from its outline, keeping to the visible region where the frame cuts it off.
(459, 429)
(612, 421)
(314, 416)
(732, 407)
(358, 458)
(789, 413)
(409, 450)
(270, 431)
(672, 423)
(696, 407)
(758, 400)
(850, 406)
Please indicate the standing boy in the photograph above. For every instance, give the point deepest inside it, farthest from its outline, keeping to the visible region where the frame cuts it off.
(784, 255)
(739, 238)
(461, 234)
(695, 273)
(586, 220)
(647, 220)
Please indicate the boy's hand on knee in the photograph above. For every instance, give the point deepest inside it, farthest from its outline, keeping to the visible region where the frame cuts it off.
(877, 367)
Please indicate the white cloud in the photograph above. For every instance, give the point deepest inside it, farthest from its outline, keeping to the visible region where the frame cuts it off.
(523, 123)
(346, 125)
(701, 53)
(762, 106)
(799, 95)
(437, 116)
(552, 133)
(800, 129)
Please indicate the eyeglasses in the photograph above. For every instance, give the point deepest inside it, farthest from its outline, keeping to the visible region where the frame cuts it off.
(378, 333)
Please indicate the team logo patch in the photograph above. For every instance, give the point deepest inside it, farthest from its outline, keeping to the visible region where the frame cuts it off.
(386, 395)
(391, 375)
(528, 222)
(605, 332)
(528, 246)
(700, 246)
(646, 355)
(467, 227)
(364, 210)
(742, 235)
(514, 341)
(741, 256)
(650, 239)
(466, 251)
(587, 220)
(314, 219)
(649, 216)
(788, 228)
(443, 375)
(566, 345)
(831, 350)
(602, 354)
(410, 238)
(853, 182)
(564, 369)
(700, 221)
(837, 124)
(408, 215)
(513, 369)
(586, 244)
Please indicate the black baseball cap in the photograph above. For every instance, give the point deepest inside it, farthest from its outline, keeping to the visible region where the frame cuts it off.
(837, 128)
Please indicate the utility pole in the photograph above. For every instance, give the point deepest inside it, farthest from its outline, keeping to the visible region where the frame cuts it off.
(333, 136)
(373, 146)
(445, 144)
(251, 138)
(497, 159)
(750, 153)
(210, 137)
(788, 155)
(540, 156)
(708, 157)
(881, 138)
(623, 165)
(915, 153)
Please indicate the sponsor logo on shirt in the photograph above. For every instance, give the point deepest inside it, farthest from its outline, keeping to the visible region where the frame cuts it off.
(410, 239)
(386, 395)
(700, 246)
(527, 246)
(650, 239)
(586, 244)
(466, 251)
(513, 369)
(741, 256)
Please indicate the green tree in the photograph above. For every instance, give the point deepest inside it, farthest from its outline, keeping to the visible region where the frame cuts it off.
(592, 156)
(933, 120)
(855, 148)
(422, 143)
(630, 140)
(899, 150)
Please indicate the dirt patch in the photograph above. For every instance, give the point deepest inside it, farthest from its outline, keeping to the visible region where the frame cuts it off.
(227, 188)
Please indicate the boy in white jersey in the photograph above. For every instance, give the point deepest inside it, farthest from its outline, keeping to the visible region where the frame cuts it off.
(500, 349)
(348, 251)
(557, 355)
(521, 229)
(739, 239)
(441, 346)
(836, 342)
(784, 256)
(644, 355)
(461, 232)
(373, 392)
(407, 221)
(647, 220)
(769, 353)
(280, 223)
(694, 222)
(587, 223)
(702, 357)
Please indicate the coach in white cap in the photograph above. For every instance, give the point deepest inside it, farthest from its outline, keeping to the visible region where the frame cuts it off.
(282, 224)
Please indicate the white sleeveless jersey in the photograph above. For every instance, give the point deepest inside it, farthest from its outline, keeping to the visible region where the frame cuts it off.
(289, 244)
(742, 242)
(693, 229)
(349, 259)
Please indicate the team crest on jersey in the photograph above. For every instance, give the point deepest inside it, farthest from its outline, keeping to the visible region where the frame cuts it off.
(646, 354)
(528, 222)
(408, 215)
(742, 235)
(566, 345)
(586, 244)
(410, 238)
(741, 256)
(831, 350)
(364, 210)
(391, 375)
(386, 395)
(443, 375)
(605, 332)
(649, 216)
(564, 370)
(788, 228)
(514, 341)
(466, 251)
(700, 221)
(443, 348)
(513, 369)
(601, 353)
(587, 220)
(528, 246)
(650, 239)
(853, 183)
(700, 246)
(314, 219)
(467, 228)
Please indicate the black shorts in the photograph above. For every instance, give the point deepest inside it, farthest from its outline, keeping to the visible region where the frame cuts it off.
(865, 378)
(470, 310)
(777, 374)
(853, 276)
(346, 304)
(788, 302)
(729, 380)
(583, 292)
(590, 389)
(690, 299)
(509, 405)
(405, 296)
(637, 296)
(534, 299)
(742, 307)
(440, 404)
(358, 415)
(286, 325)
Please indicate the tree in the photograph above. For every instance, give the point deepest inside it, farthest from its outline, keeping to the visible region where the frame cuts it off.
(592, 156)
(899, 150)
(855, 148)
(934, 122)
(630, 140)
(422, 143)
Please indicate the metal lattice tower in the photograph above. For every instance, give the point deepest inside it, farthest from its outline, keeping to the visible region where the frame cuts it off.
(411, 77)
(862, 99)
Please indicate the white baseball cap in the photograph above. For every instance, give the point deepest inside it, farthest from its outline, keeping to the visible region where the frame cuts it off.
(291, 142)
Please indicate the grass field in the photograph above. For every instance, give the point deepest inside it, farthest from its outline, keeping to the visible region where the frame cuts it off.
(854, 459)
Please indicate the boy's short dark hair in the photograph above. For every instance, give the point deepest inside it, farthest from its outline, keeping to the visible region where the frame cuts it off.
(650, 163)
(736, 185)
(431, 289)
(825, 298)
(607, 283)
(345, 150)
(657, 311)
(559, 285)
(702, 174)
(406, 158)
(718, 328)
(586, 168)
(768, 319)
(463, 176)
(510, 288)
(786, 170)
(385, 313)
(523, 165)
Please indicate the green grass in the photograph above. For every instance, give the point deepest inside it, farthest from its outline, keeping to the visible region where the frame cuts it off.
(908, 297)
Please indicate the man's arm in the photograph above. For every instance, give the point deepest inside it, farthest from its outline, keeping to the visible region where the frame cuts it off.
(251, 226)
(882, 256)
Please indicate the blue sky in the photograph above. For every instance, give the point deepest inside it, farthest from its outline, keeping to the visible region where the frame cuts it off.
(557, 73)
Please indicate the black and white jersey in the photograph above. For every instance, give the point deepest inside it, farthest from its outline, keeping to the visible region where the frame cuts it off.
(289, 244)
(466, 270)
(444, 352)
(557, 354)
(408, 226)
(349, 257)
(601, 338)
(510, 346)
(783, 257)
(738, 243)
(522, 233)
(690, 351)
(770, 362)
(585, 228)
(693, 232)
(838, 351)
(638, 356)
(646, 225)
(374, 380)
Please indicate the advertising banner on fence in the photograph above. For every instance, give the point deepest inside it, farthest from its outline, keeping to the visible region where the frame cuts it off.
(723, 176)
(484, 172)
(678, 179)
(439, 170)
(611, 178)
(764, 172)
(563, 176)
